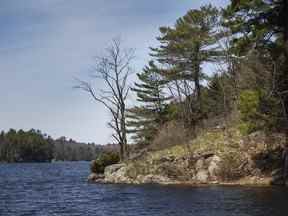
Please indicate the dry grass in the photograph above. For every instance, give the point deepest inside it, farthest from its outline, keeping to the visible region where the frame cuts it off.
(174, 142)
(171, 134)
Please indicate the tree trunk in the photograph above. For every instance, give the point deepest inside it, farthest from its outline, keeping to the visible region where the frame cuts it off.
(121, 153)
(285, 149)
(197, 85)
(285, 152)
(285, 12)
(124, 131)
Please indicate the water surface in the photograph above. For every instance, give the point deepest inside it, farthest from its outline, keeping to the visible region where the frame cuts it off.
(61, 189)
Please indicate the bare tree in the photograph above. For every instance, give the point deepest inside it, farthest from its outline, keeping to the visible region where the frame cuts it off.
(113, 69)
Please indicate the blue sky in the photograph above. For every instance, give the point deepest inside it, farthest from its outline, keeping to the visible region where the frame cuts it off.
(44, 44)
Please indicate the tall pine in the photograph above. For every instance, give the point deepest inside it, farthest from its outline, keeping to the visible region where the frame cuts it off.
(185, 47)
(145, 119)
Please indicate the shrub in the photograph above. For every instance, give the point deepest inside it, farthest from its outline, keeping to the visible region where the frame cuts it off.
(249, 104)
(171, 134)
(103, 160)
(230, 167)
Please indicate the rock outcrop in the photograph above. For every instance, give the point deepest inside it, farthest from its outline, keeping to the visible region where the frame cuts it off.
(163, 171)
(116, 173)
(243, 161)
(96, 178)
(198, 170)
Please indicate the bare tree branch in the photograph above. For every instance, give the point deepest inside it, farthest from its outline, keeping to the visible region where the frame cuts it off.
(114, 70)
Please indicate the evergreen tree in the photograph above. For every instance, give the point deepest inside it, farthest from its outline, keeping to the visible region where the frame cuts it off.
(145, 119)
(258, 21)
(185, 48)
(218, 96)
(262, 26)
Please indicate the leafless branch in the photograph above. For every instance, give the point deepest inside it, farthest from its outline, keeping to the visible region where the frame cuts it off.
(113, 69)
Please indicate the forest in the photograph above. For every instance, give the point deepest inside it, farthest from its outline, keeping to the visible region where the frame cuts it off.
(34, 146)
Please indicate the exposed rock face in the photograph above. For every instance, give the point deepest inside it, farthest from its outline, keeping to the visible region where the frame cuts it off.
(167, 170)
(249, 163)
(117, 173)
(200, 164)
(153, 179)
(214, 167)
(96, 178)
(202, 176)
(195, 170)
(120, 174)
(207, 168)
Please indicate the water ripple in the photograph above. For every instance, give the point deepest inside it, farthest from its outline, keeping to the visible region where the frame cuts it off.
(60, 189)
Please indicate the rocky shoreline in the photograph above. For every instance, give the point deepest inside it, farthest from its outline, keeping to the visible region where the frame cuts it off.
(211, 159)
(206, 173)
(117, 178)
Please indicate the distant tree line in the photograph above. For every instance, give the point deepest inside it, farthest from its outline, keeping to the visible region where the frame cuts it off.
(34, 146)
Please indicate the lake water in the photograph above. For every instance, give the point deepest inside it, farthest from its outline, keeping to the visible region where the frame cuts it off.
(61, 189)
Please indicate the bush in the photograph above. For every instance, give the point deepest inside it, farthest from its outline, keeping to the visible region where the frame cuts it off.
(249, 104)
(171, 134)
(103, 160)
(230, 167)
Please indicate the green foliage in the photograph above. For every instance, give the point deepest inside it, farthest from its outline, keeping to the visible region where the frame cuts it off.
(249, 103)
(191, 42)
(145, 120)
(103, 160)
(249, 42)
(218, 95)
(173, 111)
(229, 169)
(256, 21)
(261, 27)
(34, 146)
(70, 150)
(30, 146)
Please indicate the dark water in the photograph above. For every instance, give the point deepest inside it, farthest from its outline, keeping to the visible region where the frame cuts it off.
(61, 189)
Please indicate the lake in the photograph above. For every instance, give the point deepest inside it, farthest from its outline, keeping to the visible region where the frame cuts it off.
(61, 189)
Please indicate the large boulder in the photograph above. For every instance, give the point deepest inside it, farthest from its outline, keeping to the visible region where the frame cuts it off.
(202, 176)
(117, 173)
(214, 167)
(109, 170)
(171, 171)
(153, 179)
(207, 168)
(200, 164)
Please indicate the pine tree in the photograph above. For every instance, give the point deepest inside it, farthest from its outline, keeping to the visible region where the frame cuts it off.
(263, 25)
(258, 21)
(185, 48)
(146, 118)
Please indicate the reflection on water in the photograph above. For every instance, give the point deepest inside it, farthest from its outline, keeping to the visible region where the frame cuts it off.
(61, 189)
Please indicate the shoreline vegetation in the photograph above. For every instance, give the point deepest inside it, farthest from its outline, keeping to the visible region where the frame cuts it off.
(212, 104)
(34, 146)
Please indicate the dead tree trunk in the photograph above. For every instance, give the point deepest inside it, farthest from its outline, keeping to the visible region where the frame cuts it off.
(113, 69)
